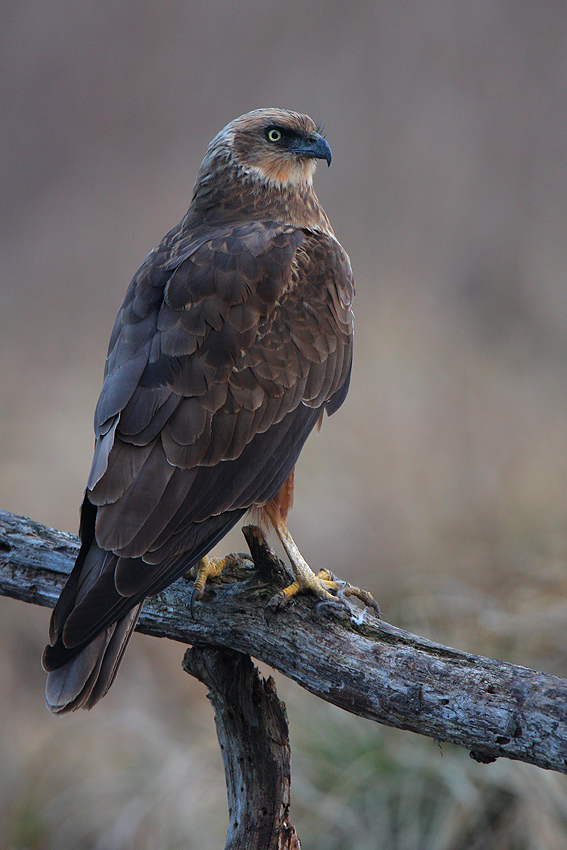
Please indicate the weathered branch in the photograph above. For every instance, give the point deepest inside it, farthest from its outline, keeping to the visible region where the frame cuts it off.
(253, 736)
(355, 661)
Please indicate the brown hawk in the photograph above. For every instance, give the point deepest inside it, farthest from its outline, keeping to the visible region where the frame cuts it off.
(234, 338)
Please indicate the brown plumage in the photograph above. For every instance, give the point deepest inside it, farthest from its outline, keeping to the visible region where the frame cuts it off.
(233, 339)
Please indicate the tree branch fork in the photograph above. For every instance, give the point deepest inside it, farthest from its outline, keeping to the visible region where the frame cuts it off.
(341, 653)
(345, 656)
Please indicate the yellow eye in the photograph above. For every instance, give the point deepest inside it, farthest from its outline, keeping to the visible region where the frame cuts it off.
(274, 135)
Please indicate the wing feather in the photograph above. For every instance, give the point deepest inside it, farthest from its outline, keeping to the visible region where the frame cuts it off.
(221, 361)
(118, 522)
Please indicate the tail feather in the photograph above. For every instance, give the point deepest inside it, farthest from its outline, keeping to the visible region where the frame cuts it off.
(83, 680)
(81, 671)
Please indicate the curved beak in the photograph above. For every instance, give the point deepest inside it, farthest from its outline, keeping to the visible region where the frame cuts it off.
(315, 147)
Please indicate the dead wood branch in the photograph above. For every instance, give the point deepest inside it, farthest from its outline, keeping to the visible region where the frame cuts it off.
(355, 661)
(253, 736)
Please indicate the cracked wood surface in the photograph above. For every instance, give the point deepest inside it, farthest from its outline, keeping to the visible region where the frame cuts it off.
(345, 656)
(253, 736)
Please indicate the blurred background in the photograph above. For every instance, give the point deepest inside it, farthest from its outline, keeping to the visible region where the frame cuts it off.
(442, 483)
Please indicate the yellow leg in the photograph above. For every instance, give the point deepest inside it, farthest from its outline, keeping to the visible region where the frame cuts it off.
(305, 578)
(321, 584)
(206, 569)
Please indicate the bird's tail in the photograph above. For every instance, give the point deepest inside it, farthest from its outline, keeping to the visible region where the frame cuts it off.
(83, 680)
(80, 671)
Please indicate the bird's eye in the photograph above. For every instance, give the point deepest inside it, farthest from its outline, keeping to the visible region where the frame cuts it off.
(274, 135)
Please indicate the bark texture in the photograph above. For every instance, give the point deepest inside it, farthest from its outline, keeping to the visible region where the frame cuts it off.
(343, 655)
(253, 736)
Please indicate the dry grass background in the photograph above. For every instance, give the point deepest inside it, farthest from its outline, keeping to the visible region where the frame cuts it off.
(442, 483)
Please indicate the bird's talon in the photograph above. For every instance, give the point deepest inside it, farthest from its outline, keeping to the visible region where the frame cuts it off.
(327, 588)
(206, 569)
(194, 597)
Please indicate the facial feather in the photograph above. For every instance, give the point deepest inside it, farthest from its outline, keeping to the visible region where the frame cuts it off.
(244, 144)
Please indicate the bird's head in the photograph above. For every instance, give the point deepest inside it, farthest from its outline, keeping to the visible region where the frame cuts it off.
(273, 146)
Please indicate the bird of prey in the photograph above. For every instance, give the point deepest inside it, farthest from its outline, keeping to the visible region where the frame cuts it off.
(234, 338)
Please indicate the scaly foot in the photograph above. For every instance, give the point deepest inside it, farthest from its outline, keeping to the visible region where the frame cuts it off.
(321, 584)
(206, 569)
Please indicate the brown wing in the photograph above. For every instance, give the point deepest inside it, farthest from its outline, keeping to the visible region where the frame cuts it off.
(220, 363)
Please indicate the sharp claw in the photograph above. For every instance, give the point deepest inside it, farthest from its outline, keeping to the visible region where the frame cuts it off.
(276, 603)
(321, 584)
(195, 596)
(206, 569)
(330, 592)
(364, 596)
